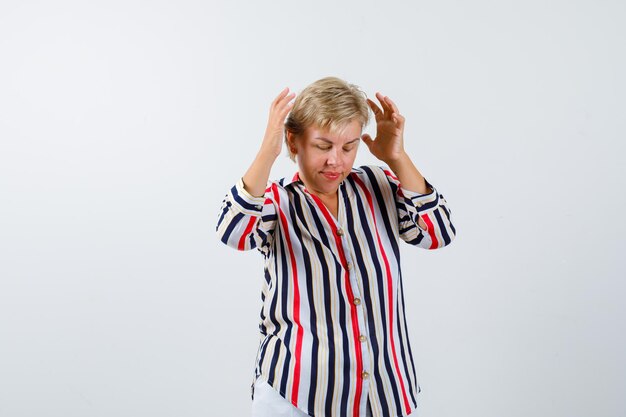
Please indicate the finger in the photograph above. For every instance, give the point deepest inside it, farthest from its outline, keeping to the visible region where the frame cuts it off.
(286, 99)
(281, 96)
(286, 109)
(285, 102)
(384, 104)
(377, 111)
(392, 104)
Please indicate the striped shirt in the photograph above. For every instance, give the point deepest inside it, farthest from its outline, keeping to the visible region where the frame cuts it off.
(333, 330)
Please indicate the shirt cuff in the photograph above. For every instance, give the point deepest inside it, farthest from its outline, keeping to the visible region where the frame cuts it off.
(246, 202)
(422, 202)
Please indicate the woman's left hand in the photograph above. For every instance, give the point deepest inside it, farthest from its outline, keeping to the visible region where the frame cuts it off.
(389, 143)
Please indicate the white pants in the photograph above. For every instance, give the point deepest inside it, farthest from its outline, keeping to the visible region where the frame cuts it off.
(269, 403)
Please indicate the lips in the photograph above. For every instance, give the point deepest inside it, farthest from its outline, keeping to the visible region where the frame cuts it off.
(331, 175)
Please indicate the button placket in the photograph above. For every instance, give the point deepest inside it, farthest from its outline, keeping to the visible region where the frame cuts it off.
(362, 339)
(342, 234)
(357, 302)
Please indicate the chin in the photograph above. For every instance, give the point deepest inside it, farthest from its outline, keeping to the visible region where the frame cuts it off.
(328, 188)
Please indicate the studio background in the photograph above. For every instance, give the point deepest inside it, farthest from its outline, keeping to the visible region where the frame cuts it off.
(124, 123)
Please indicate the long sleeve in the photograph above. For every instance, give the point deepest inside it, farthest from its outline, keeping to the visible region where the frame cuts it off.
(246, 222)
(432, 208)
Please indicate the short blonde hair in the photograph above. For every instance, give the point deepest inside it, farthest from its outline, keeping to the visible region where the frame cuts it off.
(329, 103)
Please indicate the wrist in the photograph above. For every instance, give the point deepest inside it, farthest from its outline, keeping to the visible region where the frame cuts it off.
(267, 155)
(398, 161)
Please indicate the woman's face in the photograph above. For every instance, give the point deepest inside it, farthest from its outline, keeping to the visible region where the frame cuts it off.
(325, 159)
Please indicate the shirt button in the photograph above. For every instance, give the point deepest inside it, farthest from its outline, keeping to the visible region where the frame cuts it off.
(259, 207)
(365, 375)
(362, 338)
(357, 301)
(349, 265)
(339, 232)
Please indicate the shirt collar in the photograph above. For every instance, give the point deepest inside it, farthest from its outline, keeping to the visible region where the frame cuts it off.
(290, 180)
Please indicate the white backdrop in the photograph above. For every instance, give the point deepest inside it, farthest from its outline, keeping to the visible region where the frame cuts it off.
(124, 123)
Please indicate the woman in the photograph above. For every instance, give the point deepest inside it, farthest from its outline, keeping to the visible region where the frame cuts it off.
(333, 336)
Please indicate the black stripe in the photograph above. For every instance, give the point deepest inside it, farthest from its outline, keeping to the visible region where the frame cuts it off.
(262, 235)
(403, 356)
(442, 228)
(269, 217)
(231, 226)
(268, 280)
(425, 206)
(282, 285)
(448, 216)
(274, 362)
(311, 300)
(405, 217)
(407, 229)
(261, 359)
(403, 325)
(243, 203)
(268, 277)
(226, 207)
(417, 240)
(252, 241)
(381, 206)
(273, 309)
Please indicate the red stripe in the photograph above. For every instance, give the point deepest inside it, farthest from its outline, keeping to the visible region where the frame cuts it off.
(242, 240)
(390, 174)
(296, 302)
(431, 231)
(353, 312)
(389, 294)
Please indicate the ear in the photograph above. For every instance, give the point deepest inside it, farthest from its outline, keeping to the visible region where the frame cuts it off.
(291, 142)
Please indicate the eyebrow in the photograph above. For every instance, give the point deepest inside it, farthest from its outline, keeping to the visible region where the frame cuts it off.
(330, 141)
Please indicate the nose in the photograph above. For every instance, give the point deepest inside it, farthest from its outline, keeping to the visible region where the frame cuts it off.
(333, 157)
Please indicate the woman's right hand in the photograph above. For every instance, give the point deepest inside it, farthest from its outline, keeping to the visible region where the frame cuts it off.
(255, 179)
(274, 134)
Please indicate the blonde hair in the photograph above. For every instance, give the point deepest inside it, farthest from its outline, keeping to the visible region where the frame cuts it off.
(329, 103)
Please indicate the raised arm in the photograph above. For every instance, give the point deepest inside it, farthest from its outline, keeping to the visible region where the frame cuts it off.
(424, 218)
(246, 220)
(255, 179)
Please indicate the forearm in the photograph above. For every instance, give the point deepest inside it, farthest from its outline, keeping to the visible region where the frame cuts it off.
(255, 179)
(408, 175)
